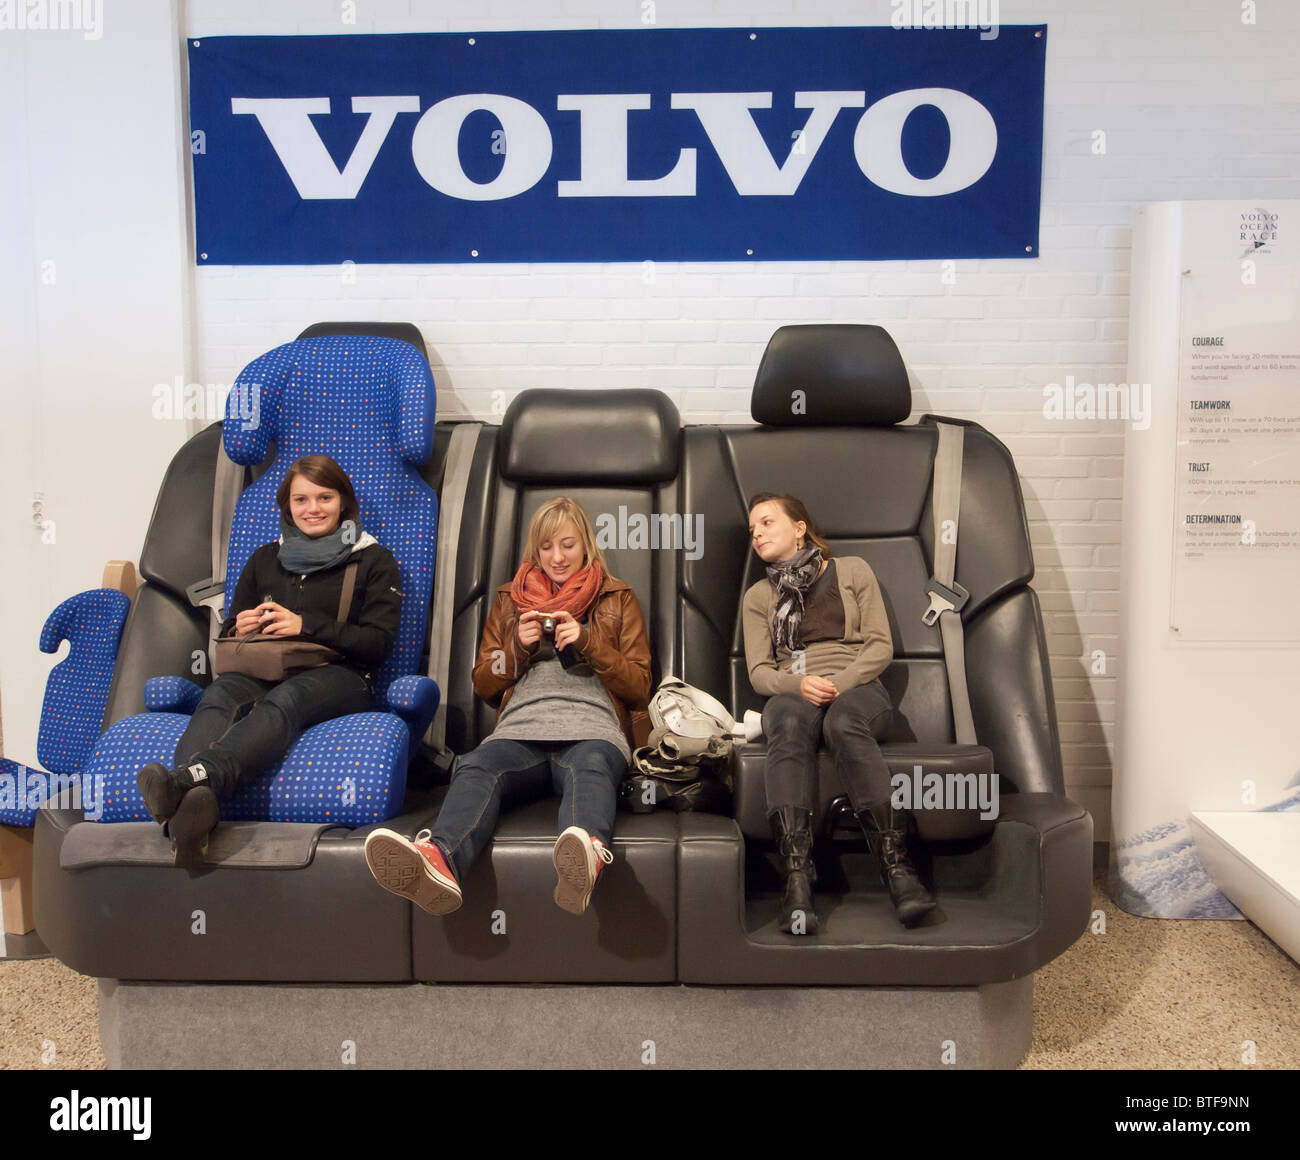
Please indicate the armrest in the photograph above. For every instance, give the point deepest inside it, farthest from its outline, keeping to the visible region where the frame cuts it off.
(171, 694)
(415, 700)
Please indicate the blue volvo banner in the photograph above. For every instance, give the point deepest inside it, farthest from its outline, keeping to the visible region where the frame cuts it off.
(666, 144)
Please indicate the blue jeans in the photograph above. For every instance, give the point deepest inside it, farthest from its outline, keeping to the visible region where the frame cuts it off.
(508, 773)
(243, 727)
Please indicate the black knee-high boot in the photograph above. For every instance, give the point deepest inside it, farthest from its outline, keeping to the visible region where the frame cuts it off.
(792, 829)
(886, 832)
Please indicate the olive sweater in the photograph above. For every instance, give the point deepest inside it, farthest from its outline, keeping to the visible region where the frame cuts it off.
(858, 659)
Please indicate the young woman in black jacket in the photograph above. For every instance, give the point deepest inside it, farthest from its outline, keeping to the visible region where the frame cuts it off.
(292, 587)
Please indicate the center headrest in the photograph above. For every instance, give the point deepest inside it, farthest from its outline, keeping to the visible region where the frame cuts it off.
(599, 437)
(831, 375)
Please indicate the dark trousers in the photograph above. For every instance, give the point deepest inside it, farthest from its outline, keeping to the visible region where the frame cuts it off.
(243, 727)
(849, 726)
(506, 773)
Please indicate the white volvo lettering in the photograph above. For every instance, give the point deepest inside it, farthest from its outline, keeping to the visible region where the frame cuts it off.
(287, 125)
(435, 147)
(878, 142)
(603, 143)
(603, 150)
(740, 147)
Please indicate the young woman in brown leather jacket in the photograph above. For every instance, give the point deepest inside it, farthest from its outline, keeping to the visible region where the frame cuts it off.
(565, 660)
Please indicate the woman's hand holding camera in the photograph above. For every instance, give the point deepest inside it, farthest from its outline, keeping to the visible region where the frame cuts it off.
(268, 617)
(567, 630)
(532, 627)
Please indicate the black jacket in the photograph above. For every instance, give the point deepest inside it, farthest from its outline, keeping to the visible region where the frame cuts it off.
(367, 637)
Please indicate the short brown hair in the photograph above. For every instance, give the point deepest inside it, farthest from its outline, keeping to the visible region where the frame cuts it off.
(323, 472)
(794, 508)
(550, 518)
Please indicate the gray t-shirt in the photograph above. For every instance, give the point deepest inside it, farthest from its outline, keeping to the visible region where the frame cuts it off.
(552, 703)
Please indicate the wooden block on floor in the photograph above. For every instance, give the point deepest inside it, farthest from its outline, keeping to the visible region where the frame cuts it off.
(16, 879)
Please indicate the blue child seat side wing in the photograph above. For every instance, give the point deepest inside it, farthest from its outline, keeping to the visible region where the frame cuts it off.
(76, 692)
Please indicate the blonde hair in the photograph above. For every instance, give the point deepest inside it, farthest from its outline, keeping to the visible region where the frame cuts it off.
(550, 518)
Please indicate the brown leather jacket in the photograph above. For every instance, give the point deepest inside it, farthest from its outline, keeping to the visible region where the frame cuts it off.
(613, 642)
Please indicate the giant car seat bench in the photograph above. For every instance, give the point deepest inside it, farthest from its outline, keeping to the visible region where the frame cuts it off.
(1013, 891)
(691, 899)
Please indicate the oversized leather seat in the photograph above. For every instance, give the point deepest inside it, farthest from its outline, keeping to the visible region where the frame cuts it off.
(618, 454)
(1013, 893)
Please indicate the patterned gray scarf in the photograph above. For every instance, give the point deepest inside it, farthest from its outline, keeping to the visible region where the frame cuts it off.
(300, 552)
(792, 579)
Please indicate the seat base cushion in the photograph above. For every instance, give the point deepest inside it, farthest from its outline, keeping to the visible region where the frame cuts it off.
(509, 928)
(348, 771)
(1006, 906)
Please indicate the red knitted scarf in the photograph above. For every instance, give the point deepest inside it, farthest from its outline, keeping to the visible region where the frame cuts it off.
(533, 591)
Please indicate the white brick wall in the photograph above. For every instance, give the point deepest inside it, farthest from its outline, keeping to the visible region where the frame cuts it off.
(1194, 105)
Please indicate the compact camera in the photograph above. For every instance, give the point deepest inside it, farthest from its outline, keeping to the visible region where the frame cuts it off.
(569, 656)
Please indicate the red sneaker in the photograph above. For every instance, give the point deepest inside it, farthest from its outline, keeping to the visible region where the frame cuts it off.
(579, 858)
(415, 870)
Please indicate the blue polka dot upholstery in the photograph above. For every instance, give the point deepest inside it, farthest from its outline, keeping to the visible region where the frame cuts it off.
(171, 693)
(369, 404)
(350, 771)
(76, 692)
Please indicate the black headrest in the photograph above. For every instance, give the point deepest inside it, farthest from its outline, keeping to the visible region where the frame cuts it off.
(406, 332)
(572, 437)
(849, 375)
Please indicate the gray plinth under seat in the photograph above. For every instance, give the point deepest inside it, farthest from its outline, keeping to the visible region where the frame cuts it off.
(249, 1026)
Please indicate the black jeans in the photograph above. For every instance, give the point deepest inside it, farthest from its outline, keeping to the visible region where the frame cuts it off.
(505, 772)
(849, 725)
(242, 726)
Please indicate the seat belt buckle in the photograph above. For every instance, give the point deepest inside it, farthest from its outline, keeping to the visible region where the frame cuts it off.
(203, 593)
(943, 599)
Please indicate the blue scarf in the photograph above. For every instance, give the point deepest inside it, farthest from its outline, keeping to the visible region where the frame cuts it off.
(302, 553)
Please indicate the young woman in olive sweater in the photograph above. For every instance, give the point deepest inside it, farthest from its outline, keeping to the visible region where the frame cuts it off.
(816, 641)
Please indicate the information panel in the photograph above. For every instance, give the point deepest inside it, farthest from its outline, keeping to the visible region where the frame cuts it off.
(1237, 467)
